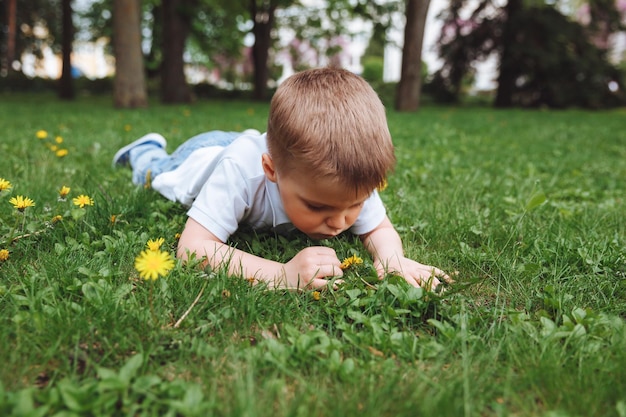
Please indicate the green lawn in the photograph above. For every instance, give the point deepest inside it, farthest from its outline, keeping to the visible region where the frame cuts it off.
(527, 206)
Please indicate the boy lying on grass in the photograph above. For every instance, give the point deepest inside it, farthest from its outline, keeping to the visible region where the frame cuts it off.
(317, 169)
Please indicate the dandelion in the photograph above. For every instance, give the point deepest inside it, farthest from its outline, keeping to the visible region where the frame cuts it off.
(155, 244)
(352, 260)
(42, 134)
(53, 148)
(21, 203)
(177, 236)
(153, 264)
(315, 295)
(127, 128)
(4, 255)
(58, 140)
(63, 192)
(61, 153)
(382, 186)
(113, 218)
(56, 219)
(4, 185)
(82, 201)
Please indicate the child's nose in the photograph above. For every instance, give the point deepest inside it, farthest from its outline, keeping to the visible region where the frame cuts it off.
(337, 221)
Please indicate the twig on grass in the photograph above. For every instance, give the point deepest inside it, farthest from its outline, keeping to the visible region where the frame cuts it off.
(186, 313)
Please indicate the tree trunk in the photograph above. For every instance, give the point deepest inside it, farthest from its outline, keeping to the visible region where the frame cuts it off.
(129, 86)
(263, 18)
(508, 65)
(174, 88)
(11, 11)
(66, 84)
(409, 87)
(154, 59)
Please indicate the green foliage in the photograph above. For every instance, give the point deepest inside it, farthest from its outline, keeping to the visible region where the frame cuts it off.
(534, 324)
(373, 69)
(548, 59)
(556, 65)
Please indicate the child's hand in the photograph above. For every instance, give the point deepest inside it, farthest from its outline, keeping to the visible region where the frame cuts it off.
(312, 267)
(415, 273)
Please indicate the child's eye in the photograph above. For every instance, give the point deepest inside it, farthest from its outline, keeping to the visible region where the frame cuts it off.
(313, 207)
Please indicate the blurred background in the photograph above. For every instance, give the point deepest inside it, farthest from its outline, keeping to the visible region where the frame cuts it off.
(505, 53)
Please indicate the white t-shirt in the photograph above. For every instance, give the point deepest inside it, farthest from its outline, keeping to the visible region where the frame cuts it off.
(226, 187)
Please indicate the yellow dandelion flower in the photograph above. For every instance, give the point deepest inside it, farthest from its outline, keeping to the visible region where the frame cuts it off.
(155, 244)
(64, 191)
(153, 264)
(127, 128)
(61, 153)
(57, 218)
(315, 295)
(58, 140)
(382, 186)
(4, 255)
(21, 203)
(53, 148)
(352, 260)
(82, 201)
(177, 236)
(113, 218)
(42, 134)
(4, 185)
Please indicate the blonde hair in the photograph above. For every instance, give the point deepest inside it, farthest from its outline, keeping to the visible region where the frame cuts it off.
(329, 122)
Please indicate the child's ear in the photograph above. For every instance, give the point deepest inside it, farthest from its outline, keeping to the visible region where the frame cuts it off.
(268, 167)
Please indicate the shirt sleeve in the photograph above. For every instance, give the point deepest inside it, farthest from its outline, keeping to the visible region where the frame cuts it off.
(223, 201)
(372, 214)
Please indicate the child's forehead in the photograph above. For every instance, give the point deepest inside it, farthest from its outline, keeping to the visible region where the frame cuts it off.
(329, 190)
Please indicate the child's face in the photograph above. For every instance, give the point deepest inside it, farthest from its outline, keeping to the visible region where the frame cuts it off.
(320, 208)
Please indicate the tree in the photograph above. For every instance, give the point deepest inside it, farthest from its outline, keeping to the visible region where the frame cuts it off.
(31, 27)
(408, 93)
(11, 35)
(176, 22)
(508, 61)
(552, 62)
(461, 43)
(545, 59)
(154, 57)
(604, 20)
(66, 84)
(262, 14)
(320, 33)
(129, 86)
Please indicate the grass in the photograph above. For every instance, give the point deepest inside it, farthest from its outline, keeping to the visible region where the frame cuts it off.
(528, 206)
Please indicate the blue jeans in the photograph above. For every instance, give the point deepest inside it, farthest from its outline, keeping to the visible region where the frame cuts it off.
(151, 159)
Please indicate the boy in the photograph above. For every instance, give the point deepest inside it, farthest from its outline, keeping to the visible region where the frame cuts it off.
(326, 151)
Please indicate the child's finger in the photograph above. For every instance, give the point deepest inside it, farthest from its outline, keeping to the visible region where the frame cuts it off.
(318, 283)
(438, 273)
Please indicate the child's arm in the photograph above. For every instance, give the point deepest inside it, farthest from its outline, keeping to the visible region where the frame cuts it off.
(385, 245)
(309, 268)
